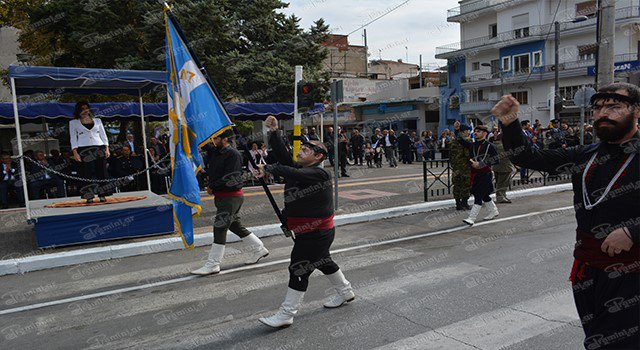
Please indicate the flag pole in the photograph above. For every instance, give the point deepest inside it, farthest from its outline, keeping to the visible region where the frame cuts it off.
(241, 140)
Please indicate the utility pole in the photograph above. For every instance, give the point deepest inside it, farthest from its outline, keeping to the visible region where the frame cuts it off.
(606, 41)
(366, 55)
(297, 118)
(556, 69)
(420, 71)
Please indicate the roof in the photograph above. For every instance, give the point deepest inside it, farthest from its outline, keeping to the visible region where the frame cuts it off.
(35, 79)
(59, 112)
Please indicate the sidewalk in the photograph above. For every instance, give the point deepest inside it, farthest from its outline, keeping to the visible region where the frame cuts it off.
(49, 258)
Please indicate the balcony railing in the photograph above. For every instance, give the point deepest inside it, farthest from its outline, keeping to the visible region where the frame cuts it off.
(479, 5)
(542, 69)
(531, 31)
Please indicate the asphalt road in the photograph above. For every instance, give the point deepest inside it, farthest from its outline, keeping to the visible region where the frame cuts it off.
(422, 282)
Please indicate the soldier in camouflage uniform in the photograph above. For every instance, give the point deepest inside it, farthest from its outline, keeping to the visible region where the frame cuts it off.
(460, 166)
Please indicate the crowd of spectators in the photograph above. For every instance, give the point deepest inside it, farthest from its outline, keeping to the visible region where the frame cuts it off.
(126, 160)
(355, 148)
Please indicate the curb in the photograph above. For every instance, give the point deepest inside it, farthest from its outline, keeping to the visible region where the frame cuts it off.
(48, 261)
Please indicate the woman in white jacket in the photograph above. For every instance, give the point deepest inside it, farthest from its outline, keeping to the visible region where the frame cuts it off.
(90, 148)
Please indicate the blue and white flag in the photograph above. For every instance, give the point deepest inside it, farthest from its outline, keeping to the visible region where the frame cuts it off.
(197, 116)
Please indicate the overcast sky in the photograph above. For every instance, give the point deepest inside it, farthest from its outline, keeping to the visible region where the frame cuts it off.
(419, 25)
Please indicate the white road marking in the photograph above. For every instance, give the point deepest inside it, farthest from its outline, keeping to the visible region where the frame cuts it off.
(260, 265)
(501, 327)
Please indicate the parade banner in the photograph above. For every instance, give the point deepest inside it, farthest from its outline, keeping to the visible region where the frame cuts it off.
(197, 116)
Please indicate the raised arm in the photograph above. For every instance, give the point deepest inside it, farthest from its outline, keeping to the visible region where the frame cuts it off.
(304, 175)
(277, 145)
(462, 141)
(520, 149)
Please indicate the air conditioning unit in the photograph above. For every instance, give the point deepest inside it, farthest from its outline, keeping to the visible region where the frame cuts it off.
(493, 96)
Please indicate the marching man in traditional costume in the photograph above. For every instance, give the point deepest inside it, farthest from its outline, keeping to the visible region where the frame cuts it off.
(308, 208)
(605, 177)
(483, 155)
(225, 183)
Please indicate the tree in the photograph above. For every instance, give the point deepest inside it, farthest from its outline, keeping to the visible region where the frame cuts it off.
(248, 48)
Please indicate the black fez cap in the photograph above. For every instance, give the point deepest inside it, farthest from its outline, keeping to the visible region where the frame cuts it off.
(483, 128)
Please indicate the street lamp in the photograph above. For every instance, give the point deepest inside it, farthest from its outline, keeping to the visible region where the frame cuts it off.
(556, 70)
(493, 70)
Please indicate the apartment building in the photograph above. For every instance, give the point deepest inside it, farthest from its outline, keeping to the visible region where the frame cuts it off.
(508, 46)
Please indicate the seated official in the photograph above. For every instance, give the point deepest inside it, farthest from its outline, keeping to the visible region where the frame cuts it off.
(125, 165)
(40, 178)
(10, 181)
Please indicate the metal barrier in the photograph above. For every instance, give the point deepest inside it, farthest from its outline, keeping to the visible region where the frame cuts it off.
(437, 177)
(438, 169)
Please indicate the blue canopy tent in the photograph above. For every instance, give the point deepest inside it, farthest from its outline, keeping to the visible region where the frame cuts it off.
(27, 80)
(62, 112)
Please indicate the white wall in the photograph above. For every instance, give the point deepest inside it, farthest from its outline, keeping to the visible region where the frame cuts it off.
(535, 9)
(477, 28)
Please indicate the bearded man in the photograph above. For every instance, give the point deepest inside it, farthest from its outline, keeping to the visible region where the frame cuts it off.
(605, 178)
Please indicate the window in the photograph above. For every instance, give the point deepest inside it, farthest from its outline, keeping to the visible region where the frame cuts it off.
(587, 52)
(506, 64)
(587, 8)
(495, 68)
(493, 30)
(521, 63)
(520, 25)
(537, 59)
(567, 92)
(475, 66)
(476, 95)
(521, 96)
(521, 33)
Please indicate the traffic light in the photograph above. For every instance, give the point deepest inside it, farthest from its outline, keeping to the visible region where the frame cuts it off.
(306, 92)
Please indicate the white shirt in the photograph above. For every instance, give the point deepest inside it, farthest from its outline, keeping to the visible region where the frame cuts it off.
(387, 142)
(83, 137)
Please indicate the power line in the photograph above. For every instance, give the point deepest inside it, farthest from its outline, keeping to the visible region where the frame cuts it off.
(377, 18)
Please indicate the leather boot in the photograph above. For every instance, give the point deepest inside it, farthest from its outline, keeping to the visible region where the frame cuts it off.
(289, 308)
(212, 265)
(256, 249)
(458, 204)
(343, 289)
(465, 203)
(473, 215)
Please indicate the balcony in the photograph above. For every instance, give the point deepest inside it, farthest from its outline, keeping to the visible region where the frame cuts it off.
(476, 107)
(522, 35)
(567, 69)
(472, 10)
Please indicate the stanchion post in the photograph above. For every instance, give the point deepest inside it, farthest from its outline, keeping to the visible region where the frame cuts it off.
(23, 172)
(144, 141)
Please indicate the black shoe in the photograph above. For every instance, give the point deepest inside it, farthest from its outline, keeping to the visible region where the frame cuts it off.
(4, 207)
(102, 199)
(345, 175)
(89, 200)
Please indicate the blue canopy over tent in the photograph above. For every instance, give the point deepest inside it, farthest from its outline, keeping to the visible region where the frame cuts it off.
(62, 112)
(30, 80)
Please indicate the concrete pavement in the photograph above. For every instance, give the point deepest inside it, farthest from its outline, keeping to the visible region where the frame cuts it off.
(422, 281)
